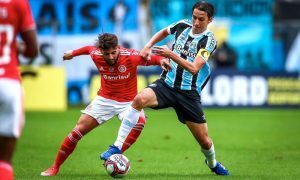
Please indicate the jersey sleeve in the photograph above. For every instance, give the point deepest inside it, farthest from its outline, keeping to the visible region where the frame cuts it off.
(209, 48)
(154, 60)
(138, 60)
(82, 51)
(173, 28)
(27, 22)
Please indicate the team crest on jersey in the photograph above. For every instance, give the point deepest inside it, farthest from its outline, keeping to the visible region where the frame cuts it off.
(203, 53)
(3, 13)
(111, 69)
(212, 44)
(193, 45)
(122, 68)
(188, 43)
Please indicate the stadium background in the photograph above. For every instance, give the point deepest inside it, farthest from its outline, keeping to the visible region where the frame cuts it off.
(259, 66)
(251, 102)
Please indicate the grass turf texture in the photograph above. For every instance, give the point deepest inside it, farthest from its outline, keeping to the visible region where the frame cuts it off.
(251, 143)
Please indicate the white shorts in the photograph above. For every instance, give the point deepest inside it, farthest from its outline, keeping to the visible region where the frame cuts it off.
(11, 108)
(103, 109)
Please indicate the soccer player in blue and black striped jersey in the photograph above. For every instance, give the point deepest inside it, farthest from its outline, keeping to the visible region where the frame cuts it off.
(181, 81)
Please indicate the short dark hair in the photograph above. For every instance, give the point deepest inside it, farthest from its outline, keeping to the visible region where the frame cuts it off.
(205, 6)
(106, 41)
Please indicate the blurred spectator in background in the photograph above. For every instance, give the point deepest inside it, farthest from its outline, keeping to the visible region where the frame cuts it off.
(287, 23)
(144, 23)
(117, 15)
(293, 56)
(225, 56)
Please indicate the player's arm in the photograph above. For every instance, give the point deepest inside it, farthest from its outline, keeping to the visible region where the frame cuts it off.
(162, 34)
(30, 48)
(68, 55)
(159, 60)
(153, 60)
(145, 52)
(192, 67)
(137, 59)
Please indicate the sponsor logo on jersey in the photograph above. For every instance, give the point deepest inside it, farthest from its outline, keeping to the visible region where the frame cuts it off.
(152, 85)
(117, 77)
(122, 68)
(111, 69)
(180, 49)
(135, 53)
(96, 52)
(204, 54)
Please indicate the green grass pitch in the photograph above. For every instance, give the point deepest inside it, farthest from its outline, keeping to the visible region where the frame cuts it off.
(251, 143)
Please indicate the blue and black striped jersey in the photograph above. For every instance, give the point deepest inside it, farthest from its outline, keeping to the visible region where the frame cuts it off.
(187, 45)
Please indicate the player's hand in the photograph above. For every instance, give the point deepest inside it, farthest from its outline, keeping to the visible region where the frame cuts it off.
(21, 47)
(165, 64)
(145, 52)
(68, 55)
(162, 51)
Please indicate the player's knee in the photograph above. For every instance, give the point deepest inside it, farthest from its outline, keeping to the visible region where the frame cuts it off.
(206, 143)
(138, 102)
(80, 128)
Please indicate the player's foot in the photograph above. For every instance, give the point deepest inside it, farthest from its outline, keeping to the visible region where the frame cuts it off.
(111, 150)
(219, 169)
(50, 172)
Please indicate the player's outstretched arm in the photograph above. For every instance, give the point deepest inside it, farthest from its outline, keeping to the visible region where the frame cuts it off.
(68, 55)
(145, 52)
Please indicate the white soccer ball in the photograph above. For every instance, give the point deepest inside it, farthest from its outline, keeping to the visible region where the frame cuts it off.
(117, 165)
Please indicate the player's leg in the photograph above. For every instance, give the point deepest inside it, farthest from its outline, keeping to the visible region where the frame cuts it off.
(146, 98)
(189, 111)
(200, 132)
(98, 112)
(84, 125)
(7, 148)
(156, 96)
(12, 121)
(134, 133)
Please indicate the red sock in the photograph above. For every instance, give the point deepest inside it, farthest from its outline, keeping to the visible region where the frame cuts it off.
(134, 133)
(67, 147)
(6, 171)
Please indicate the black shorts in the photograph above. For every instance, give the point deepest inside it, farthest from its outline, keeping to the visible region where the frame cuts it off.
(187, 103)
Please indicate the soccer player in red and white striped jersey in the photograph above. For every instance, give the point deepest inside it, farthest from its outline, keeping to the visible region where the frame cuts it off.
(15, 18)
(118, 69)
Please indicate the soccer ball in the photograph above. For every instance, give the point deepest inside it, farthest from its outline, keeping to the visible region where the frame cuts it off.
(117, 165)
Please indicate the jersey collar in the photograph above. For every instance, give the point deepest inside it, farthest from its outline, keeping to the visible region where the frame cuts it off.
(197, 35)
